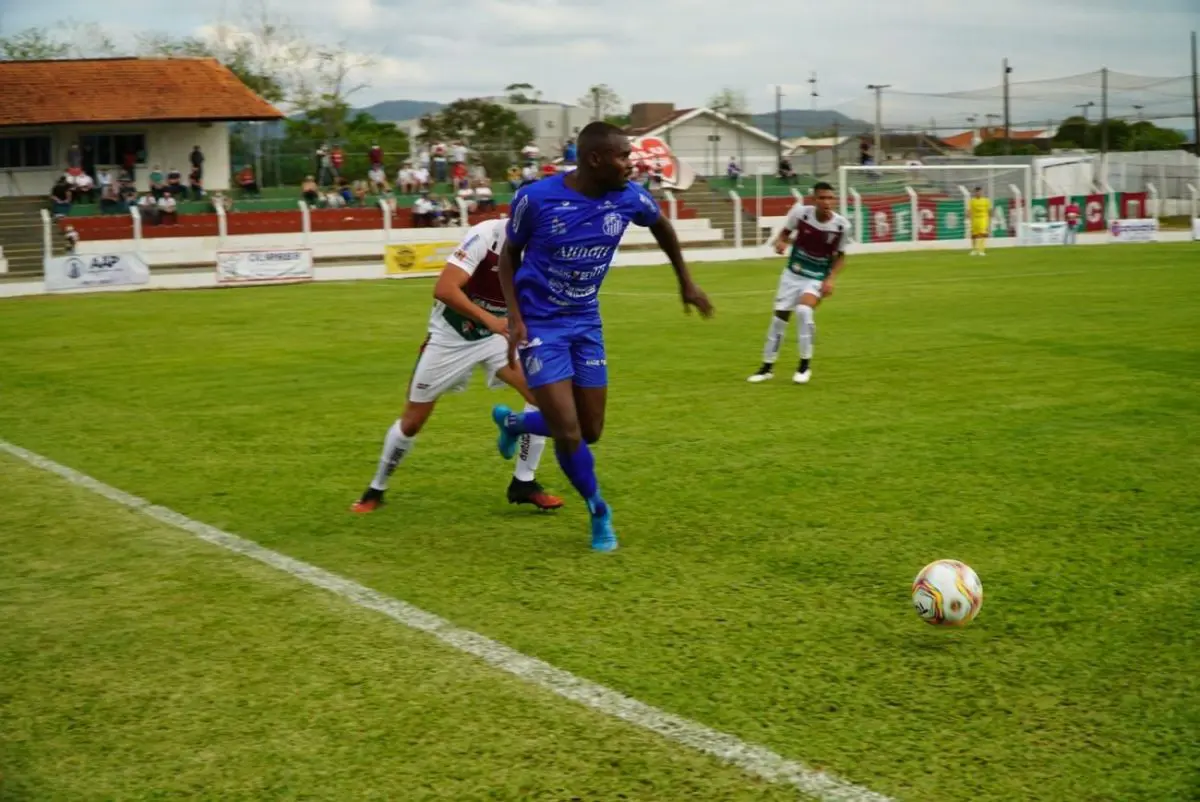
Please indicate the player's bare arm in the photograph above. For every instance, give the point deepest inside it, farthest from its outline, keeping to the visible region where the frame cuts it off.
(668, 241)
(839, 262)
(449, 290)
(782, 240)
(510, 259)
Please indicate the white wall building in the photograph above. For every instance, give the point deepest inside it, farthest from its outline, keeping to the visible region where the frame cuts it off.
(706, 140)
(157, 109)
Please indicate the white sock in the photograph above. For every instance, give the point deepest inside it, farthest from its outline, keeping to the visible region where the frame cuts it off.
(529, 453)
(774, 339)
(395, 447)
(806, 329)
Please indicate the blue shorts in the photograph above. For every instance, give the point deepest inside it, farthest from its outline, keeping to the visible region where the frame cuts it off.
(564, 348)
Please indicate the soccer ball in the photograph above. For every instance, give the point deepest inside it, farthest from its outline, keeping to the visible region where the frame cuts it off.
(947, 593)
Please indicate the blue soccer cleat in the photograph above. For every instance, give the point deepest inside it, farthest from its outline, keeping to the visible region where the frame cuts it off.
(604, 537)
(507, 441)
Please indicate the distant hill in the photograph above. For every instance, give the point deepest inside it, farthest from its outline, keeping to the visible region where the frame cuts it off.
(803, 122)
(398, 111)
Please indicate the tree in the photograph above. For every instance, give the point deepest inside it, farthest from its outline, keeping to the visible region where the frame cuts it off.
(602, 101)
(730, 102)
(1072, 133)
(323, 94)
(496, 133)
(522, 93)
(997, 147)
(1148, 136)
(68, 39)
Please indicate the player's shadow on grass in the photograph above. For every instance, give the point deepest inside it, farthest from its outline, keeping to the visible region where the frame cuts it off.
(1180, 364)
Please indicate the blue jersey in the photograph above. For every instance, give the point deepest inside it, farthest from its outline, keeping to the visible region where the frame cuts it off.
(569, 241)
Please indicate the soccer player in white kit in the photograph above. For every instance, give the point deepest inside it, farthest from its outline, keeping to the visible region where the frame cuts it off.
(818, 239)
(467, 329)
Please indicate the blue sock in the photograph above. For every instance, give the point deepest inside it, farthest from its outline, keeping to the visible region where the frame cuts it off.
(527, 423)
(580, 468)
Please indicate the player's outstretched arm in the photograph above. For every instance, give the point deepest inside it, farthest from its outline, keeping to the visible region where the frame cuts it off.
(449, 290)
(510, 258)
(668, 241)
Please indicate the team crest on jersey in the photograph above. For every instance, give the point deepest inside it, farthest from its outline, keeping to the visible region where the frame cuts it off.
(614, 224)
(557, 227)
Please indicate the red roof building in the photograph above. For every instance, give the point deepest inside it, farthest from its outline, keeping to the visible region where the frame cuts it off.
(156, 109)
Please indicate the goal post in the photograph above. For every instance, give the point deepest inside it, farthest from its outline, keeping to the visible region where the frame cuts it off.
(925, 203)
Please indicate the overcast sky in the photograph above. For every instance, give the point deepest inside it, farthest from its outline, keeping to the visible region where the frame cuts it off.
(681, 51)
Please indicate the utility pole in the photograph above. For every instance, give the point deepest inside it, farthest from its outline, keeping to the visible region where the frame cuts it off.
(878, 89)
(1103, 113)
(1007, 118)
(813, 91)
(1138, 109)
(1195, 103)
(778, 123)
(1084, 108)
(595, 103)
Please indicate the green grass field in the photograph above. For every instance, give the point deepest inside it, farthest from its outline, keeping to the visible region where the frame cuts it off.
(1035, 414)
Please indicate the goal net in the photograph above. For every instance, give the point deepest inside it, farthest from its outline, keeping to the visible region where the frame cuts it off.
(913, 203)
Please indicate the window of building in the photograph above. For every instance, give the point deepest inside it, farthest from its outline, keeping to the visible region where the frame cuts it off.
(110, 149)
(27, 151)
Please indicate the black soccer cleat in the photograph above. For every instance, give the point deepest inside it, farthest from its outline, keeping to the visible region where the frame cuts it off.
(532, 493)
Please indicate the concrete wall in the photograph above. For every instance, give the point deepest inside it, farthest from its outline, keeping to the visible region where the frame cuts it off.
(167, 145)
(167, 251)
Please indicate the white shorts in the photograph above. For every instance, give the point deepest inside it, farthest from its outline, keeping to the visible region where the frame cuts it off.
(444, 367)
(791, 287)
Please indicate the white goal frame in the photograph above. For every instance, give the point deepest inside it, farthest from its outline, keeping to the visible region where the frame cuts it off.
(1022, 191)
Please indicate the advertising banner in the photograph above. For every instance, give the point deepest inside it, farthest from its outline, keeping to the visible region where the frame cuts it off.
(94, 270)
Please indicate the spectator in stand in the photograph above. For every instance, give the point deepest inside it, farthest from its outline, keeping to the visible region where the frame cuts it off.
(84, 189)
(423, 211)
(375, 157)
(864, 155)
(148, 208)
(458, 153)
(72, 238)
(129, 193)
(175, 185)
(439, 162)
(310, 191)
(196, 158)
(483, 196)
(361, 189)
(785, 170)
(157, 182)
(528, 175)
(424, 159)
(458, 174)
(247, 181)
(60, 197)
(467, 195)
(110, 194)
(378, 179)
(733, 170)
(196, 183)
(569, 152)
(514, 177)
(530, 153)
(129, 163)
(166, 210)
(337, 160)
(421, 179)
(343, 191)
(324, 167)
(404, 180)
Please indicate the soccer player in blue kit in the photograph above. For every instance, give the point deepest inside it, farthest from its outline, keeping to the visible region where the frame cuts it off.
(561, 240)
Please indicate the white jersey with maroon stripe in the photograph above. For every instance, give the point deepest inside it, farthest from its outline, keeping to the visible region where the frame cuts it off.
(816, 242)
(479, 255)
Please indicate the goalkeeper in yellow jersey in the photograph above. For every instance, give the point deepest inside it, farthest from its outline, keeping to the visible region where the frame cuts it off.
(981, 217)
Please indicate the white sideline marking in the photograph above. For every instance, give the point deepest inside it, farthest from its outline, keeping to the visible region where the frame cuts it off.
(754, 759)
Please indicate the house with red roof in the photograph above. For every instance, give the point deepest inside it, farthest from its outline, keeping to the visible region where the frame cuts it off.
(151, 110)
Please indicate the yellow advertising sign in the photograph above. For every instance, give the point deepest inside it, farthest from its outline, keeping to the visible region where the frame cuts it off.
(418, 257)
